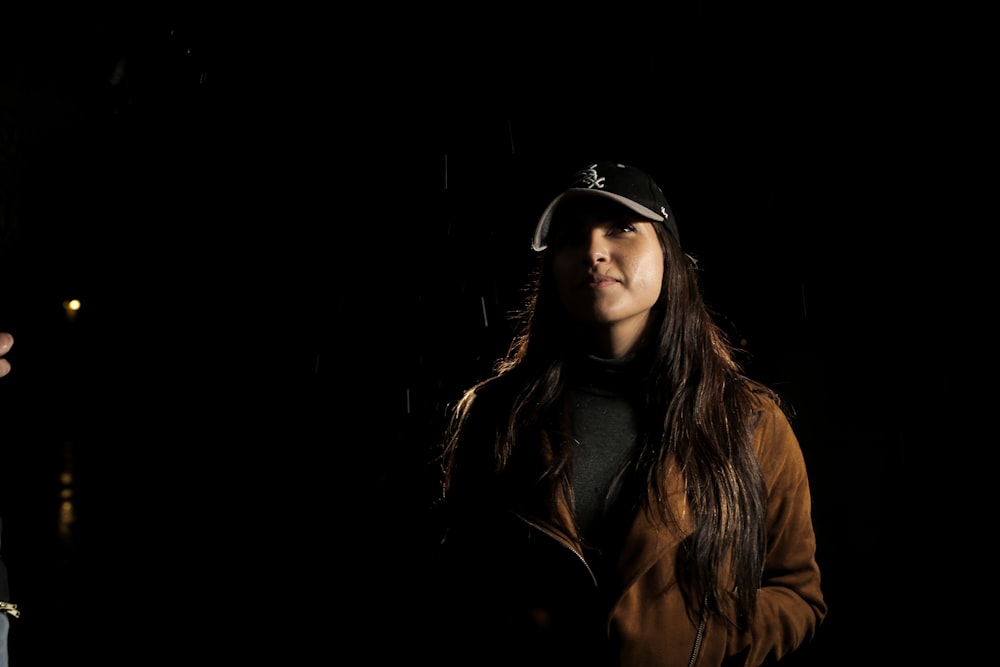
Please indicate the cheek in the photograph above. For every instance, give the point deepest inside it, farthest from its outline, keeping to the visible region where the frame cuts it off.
(563, 273)
(647, 280)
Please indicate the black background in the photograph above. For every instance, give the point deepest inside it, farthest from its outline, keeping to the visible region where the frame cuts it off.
(288, 267)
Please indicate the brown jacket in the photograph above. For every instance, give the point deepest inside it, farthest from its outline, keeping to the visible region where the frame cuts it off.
(649, 614)
(525, 594)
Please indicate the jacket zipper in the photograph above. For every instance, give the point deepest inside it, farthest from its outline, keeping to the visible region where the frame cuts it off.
(701, 632)
(562, 542)
(701, 624)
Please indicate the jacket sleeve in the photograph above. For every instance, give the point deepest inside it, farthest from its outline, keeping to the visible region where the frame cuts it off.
(790, 604)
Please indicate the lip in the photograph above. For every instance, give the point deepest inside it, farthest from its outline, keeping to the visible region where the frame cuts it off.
(598, 281)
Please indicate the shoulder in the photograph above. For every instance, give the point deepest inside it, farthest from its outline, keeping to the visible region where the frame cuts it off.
(774, 438)
(770, 412)
(480, 407)
(494, 391)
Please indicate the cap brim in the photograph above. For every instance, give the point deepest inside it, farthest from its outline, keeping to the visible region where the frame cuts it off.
(539, 243)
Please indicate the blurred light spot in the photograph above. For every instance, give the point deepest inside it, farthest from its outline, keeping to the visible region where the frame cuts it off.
(67, 512)
(71, 307)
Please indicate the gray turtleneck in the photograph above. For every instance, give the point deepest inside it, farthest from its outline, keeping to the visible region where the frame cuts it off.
(604, 426)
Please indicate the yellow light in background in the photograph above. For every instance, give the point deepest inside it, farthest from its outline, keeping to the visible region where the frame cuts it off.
(67, 516)
(67, 511)
(71, 307)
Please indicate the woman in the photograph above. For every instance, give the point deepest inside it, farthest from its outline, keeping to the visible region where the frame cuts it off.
(619, 492)
(6, 606)
(6, 341)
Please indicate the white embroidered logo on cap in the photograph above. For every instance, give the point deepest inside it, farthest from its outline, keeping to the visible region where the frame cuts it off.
(590, 179)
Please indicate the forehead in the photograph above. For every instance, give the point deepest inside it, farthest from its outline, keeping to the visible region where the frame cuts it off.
(591, 208)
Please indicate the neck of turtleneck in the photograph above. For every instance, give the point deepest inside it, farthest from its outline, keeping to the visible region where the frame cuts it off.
(604, 426)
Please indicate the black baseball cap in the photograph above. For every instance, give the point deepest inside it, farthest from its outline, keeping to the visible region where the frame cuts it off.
(625, 184)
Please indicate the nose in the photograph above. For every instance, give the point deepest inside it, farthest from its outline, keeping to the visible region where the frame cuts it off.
(597, 247)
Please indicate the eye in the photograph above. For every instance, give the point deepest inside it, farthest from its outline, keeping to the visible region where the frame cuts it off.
(622, 227)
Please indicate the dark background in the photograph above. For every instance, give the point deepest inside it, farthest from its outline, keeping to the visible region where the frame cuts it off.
(288, 269)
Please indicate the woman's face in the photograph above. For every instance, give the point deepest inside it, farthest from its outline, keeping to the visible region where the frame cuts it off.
(608, 267)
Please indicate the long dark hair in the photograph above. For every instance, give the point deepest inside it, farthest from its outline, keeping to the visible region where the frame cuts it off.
(698, 413)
